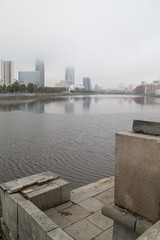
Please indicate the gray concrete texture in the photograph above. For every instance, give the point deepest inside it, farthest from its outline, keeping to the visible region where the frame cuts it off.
(152, 233)
(137, 178)
(146, 126)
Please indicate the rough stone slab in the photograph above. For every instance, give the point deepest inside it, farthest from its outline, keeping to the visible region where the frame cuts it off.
(147, 126)
(33, 224)
(58, 234)
(61, 221)
(122, 233)
(91, 204)
(9, 211)
(107, 235)
(19, 184)
(83, 230)
(100, 221)
(137, 178)
(64, 205)
(106, 197)
(152, 233)
(75, 213)
(46, 198)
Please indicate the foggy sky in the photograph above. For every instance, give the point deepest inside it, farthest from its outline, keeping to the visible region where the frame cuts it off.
(111, 41)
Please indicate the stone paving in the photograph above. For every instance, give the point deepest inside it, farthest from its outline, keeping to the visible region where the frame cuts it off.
(81, 217)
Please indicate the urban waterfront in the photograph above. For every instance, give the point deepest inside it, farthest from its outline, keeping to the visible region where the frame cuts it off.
(73, 136)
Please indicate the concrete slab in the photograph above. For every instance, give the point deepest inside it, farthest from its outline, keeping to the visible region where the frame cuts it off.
(137, 178)
(107, 235)
(100, 221)
(147, 126)
(75, 213)
(106, 197)
(64, 205)
(91, 204)
(92, 190)
(83, 230)
(19, 184)
(58, 234)
(50, 211)
(61, 221)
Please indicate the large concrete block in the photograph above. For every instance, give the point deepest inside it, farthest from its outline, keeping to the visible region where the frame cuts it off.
(146, 126)
(137, 178)
(32, 223)
(9, 211)
(65, 191)
(47, 197)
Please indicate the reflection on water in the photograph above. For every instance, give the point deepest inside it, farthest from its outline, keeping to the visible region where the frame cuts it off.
(98, 104)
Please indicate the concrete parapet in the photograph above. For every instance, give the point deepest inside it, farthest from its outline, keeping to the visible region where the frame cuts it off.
(137, 178)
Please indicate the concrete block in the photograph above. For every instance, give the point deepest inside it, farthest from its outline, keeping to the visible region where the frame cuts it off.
(137, 178)
(75, 213)
(9, 211)
(100, 220)
(6, 234)
(120, 232)
(147, 126)
(64, 189)
(91, 204)
(46, 198)
(58, 234)
(32, 223)
(83, 230)
(107, 235)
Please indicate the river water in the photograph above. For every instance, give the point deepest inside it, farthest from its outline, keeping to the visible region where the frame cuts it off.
(73, 136)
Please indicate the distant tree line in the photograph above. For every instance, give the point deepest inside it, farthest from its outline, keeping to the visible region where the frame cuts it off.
(30, 88)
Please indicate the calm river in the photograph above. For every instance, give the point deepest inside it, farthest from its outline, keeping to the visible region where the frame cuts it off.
(73, 136)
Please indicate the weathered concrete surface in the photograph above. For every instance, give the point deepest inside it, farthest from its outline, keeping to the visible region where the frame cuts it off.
(58, 234)
(146, 126)
(122, 233)
(137, 178)
(32, 223)
(152, 233)
(9, 210)
(19, 184)
(107, 235)
(47, 197)
(83, 230)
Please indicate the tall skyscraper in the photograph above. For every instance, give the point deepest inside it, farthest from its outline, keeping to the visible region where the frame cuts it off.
(7, 72)
(29, 77)
(39, 66)
(69, 75)
(87, 83)
(2, 72)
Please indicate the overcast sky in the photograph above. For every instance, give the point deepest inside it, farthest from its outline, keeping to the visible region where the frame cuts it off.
(111, 41)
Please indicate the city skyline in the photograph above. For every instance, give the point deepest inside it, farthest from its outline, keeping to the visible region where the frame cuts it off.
(112, 41)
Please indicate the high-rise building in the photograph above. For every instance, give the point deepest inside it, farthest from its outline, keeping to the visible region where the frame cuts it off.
(87, 83)
(29, 77)
(69, 75)
(7, 72)
(39, 66)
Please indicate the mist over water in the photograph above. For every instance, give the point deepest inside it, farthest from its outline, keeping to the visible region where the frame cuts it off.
(73, 136)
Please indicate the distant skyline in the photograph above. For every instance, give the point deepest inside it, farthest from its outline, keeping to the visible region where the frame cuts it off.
(113, 42)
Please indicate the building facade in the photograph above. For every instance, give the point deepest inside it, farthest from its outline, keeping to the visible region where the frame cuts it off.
(87, 83)
(69, 75)
(39, 66)
(6, 72)
(29, 77)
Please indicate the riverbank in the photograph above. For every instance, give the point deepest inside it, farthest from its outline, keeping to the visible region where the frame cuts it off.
(37, 96)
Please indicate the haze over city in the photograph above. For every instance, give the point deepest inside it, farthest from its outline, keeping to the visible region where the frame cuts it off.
(109, 41)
